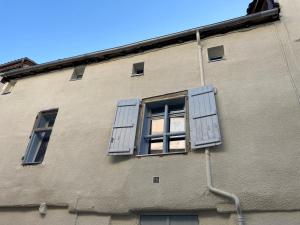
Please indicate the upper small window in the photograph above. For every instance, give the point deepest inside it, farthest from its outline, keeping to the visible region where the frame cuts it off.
(78, 72)
(138, 69)
(7, 88)
(215, 53)
(40, 137)
(164, 128)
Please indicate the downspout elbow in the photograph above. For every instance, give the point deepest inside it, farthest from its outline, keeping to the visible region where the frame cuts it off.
(221, 192)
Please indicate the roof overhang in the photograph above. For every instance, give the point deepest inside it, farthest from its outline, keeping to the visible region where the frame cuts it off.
(180, 37)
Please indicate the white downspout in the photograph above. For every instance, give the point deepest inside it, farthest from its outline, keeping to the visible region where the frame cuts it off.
(207, 153)
(202, 81)
(221, 192)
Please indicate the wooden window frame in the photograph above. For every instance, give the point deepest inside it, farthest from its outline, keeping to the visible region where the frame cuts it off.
(144, 125)
(36, 130)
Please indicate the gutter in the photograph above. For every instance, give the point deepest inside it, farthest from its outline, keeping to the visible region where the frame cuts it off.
(187, 35)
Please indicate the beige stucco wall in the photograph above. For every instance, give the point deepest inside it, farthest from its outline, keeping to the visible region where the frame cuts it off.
(258, 85)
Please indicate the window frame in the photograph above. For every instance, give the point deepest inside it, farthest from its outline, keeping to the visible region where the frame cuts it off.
(36, 130)
(144, 124)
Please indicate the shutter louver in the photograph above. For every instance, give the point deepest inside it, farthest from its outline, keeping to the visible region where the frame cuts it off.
(124, 129)
(203, 117)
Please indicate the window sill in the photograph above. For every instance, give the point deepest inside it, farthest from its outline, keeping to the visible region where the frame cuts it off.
(216, 60)
(137, 74)
(162, 154)
(75, 79)
(31, 164)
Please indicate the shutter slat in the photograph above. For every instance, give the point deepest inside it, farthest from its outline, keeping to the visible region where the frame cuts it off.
(122, 139)
(204, 122)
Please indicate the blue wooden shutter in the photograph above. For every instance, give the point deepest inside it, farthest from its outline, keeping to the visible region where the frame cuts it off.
(124, 129)
(203, 117)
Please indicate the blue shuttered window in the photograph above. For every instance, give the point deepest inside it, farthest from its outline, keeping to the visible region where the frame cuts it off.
(122, 140)
(203, 117)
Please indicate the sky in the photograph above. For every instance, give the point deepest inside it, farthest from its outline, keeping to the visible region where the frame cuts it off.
(45, 30)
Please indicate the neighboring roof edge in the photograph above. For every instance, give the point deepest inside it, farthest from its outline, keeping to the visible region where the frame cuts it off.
(261, 5)
(179, 37)
(24, 59)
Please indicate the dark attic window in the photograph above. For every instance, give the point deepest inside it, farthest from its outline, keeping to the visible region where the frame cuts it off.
(78, 72)
(215, 53)
(138, 69)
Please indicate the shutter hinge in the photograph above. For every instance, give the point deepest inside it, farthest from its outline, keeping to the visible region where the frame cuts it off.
(112, 140)
(215, 90)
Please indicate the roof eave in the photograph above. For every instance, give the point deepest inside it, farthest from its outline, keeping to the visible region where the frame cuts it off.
(205, 31)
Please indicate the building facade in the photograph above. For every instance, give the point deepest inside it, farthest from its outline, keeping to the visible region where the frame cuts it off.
(119, 137)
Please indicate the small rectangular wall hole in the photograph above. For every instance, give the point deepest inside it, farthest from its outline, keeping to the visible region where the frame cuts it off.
(138, 69)
(8, 87)
(78, 72)
(215, 53)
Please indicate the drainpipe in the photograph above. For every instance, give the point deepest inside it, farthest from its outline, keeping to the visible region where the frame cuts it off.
(202, 81)
(221, 192)
(210, 186)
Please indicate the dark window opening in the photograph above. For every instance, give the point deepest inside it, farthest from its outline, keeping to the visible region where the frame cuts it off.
(215, 53)
(8, 87)
(138, 69)
(40, 137)
(78, 72)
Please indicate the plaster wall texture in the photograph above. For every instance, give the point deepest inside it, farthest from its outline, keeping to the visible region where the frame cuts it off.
(28, 216)
(258, 105)
(85, 118)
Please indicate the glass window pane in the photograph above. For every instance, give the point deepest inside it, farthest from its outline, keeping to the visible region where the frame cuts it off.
(156, 147)
(158, 110)
(177, 145)
(42, 150)
(154, 220)
(176, 107)
(37, 147)
(157, 126)
(46, 120)
(177, 124)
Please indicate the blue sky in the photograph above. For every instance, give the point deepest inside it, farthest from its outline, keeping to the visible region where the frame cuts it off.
(45, 30)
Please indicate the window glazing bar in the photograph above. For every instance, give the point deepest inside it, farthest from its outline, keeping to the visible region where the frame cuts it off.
(176, 133)
(42, 129)
(166, 129)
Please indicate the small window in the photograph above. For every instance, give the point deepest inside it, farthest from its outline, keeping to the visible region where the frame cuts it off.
(40, 137)
(164, 128)
(8, 87)
(138, 69)
(169, 220)
(78, 72)
(215, 53)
